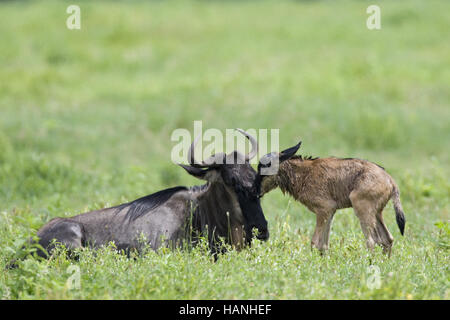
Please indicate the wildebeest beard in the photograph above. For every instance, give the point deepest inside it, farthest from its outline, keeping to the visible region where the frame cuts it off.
(219, 216)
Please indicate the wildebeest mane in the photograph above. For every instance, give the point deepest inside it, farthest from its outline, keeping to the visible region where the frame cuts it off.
(302, 158)
(364, 160)
(141, 206)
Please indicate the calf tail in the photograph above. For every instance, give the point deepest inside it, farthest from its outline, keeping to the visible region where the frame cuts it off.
(399, 214)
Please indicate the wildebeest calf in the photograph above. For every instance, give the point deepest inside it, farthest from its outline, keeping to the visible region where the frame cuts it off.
(325, 185)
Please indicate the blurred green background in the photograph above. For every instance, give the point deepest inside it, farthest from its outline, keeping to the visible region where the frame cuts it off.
(86, 115)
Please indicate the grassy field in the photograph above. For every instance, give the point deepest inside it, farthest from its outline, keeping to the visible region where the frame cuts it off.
(86, 118)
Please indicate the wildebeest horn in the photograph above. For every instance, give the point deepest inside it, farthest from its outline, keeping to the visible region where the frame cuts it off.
(254, 144)
(191, 156)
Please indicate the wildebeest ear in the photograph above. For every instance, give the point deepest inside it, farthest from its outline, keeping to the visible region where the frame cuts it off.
(204, 174)
(286, 154)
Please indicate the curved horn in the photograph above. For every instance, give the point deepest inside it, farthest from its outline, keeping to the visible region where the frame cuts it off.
(203, 164)
(254, 144)
(191, 156)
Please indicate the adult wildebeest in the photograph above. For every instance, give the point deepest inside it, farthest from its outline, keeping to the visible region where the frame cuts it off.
(325, 185)
(227, 206)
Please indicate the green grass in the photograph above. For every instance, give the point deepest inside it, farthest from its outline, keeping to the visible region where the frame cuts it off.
(86, 118)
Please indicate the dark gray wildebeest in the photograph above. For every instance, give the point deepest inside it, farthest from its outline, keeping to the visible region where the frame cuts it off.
(325, 185)
(227, 207)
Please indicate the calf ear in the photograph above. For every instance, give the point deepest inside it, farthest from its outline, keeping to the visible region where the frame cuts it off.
(286, 154)
(204, 174)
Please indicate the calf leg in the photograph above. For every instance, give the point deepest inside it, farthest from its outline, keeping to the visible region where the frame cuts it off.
(321, 235)
(372, 223)
(385, 237)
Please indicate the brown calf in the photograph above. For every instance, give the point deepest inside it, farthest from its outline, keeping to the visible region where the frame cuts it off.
(325, 185)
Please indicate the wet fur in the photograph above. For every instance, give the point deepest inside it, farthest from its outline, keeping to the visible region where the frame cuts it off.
(328, 184)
